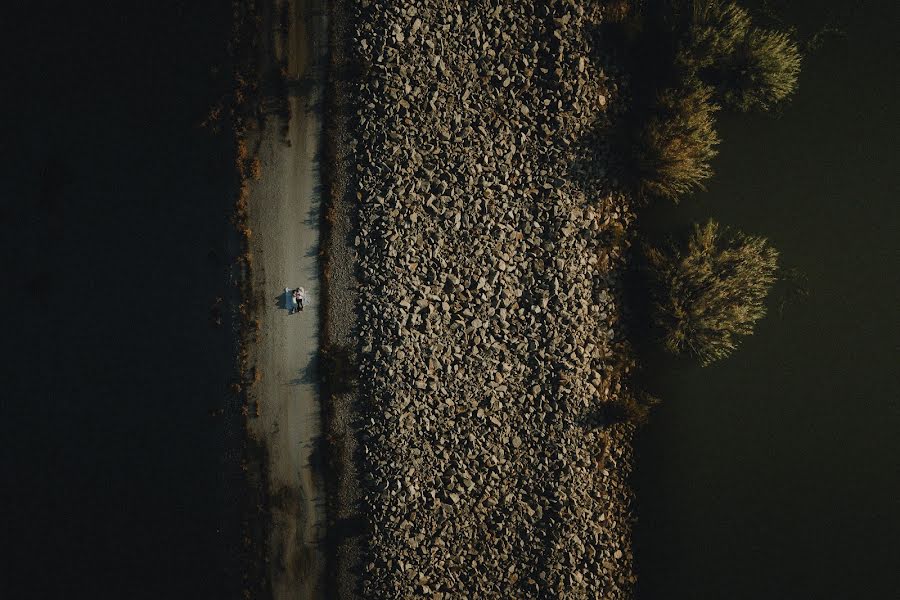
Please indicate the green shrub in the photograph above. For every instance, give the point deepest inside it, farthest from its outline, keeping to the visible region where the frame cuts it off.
(671, 151)
(712, 291)
(762, 72)
(750, 68)
(714, 32)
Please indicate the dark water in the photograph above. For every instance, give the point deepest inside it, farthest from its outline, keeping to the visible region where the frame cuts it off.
(776, 473)
(113, 212)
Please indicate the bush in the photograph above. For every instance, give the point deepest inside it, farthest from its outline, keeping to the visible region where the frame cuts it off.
(761, 73)
(711, 292)
(672, 148)
(714, 32)
(750, 68)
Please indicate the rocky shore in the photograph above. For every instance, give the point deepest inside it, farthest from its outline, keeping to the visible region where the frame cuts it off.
(489, 247)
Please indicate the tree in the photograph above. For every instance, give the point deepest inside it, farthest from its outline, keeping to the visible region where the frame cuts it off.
(711, 291)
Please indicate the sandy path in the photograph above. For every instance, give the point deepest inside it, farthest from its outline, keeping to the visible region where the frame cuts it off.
(284, 218)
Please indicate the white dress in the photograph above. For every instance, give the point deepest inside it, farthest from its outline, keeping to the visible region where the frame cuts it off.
(289, 297)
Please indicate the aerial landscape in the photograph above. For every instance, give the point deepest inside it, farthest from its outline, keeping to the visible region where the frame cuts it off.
(451, 299)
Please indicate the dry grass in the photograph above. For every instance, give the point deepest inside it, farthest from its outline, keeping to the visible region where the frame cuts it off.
(629, 408)
(213, 118)
(246, 30)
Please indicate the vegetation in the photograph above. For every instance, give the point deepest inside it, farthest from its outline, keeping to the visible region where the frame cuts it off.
(629, 408)
(689, 59)
(338, 369)
(714, 33)
(671, 151)
(762, 72)
(750, 68)
(712, 291)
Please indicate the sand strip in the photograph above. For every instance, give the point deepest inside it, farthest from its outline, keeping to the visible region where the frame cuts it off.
(284, 219)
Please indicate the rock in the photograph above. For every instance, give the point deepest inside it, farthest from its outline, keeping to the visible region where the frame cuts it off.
(487, 304)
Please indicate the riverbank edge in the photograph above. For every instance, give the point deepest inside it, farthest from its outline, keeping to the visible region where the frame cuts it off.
(254, 502)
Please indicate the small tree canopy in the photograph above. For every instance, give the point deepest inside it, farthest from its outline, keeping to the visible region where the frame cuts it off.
(712, 291)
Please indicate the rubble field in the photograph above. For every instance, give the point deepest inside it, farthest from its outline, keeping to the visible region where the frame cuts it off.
(489, 247)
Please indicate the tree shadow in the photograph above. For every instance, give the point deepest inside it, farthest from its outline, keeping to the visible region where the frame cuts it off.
(594, 171)
(310, 373)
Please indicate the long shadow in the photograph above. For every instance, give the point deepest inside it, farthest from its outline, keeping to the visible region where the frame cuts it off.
(280, 301)
(311, 373)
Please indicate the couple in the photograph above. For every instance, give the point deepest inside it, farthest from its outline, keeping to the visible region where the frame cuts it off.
(297, 298)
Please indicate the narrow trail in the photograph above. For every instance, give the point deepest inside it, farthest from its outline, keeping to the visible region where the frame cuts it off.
(284, 218)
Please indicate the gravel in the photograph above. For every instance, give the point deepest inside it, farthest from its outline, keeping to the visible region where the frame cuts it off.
(489, 253)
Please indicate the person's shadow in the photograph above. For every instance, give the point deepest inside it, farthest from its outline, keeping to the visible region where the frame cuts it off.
(283, 301)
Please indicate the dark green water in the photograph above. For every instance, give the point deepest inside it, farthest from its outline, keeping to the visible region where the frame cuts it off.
(774, 474)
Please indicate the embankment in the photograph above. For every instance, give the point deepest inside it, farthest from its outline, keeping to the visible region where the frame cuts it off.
(490, 249)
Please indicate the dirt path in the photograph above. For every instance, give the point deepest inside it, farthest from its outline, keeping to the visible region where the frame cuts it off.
(284, 219)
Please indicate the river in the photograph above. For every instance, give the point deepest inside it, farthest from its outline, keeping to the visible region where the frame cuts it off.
(774, 474)
(120, 469)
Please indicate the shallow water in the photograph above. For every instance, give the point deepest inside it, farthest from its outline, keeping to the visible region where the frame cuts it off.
(774, 474)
